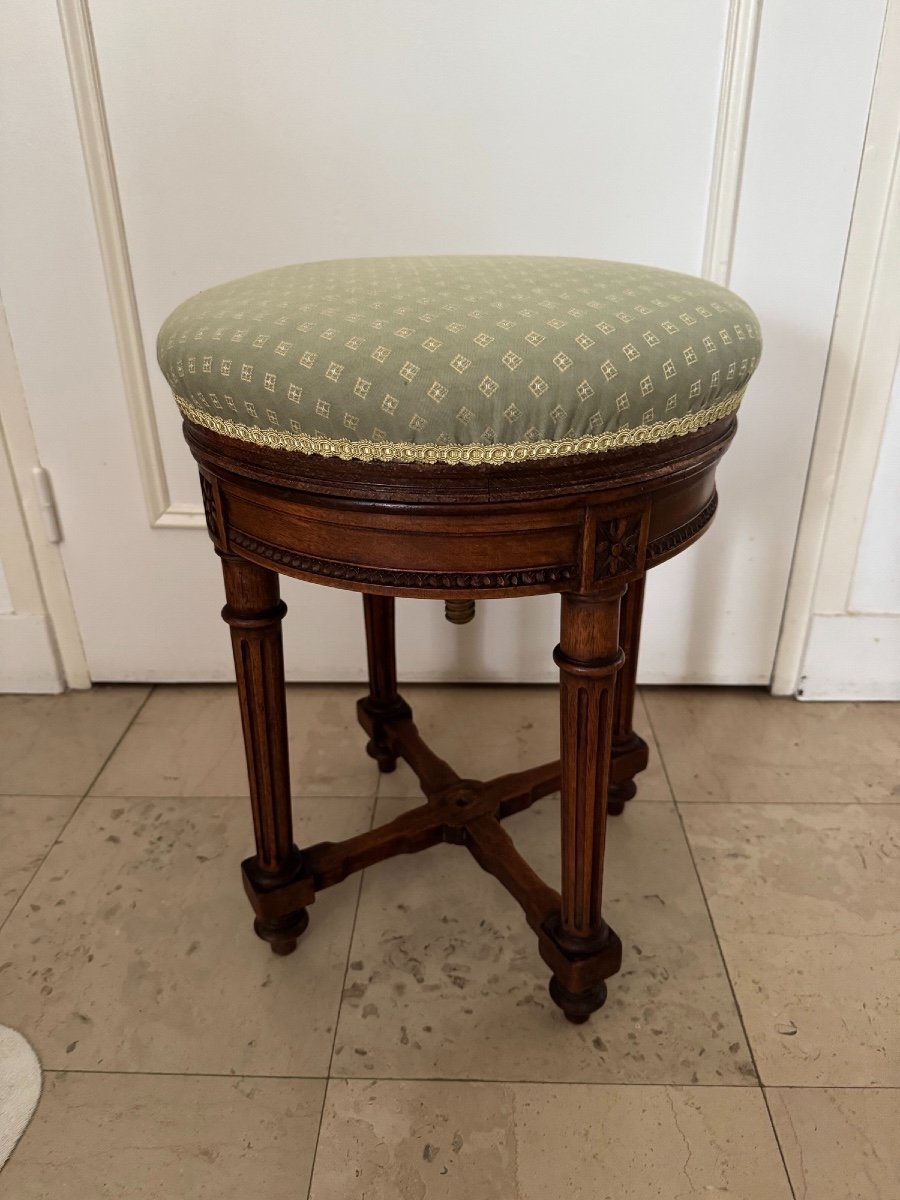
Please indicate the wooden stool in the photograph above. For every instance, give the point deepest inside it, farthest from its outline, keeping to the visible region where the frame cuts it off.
(583, 513)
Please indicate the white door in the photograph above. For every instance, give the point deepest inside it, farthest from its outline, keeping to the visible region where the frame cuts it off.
(842, 623)
(242, 135)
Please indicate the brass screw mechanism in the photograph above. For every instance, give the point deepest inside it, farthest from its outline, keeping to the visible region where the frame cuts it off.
(459, 612)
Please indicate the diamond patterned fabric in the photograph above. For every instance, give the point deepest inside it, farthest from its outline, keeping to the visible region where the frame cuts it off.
(459, 359)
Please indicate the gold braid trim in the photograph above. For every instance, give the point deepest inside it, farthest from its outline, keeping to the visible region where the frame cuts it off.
(470, 455)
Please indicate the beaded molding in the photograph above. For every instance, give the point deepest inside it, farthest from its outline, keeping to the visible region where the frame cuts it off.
(395, 578)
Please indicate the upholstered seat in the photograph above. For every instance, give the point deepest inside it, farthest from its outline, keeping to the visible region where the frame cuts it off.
(459, 359)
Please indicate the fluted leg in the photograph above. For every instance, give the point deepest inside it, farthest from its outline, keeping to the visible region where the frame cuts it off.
(383, 701)
(588, 657)
(254, 612)
(630, 751)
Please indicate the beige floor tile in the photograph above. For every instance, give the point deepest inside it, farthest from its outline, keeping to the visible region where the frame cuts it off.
(151, 1137)
(494, 1141)
(488, 731)
(445, 978)
(806, 906)
(133, 949)
(187, 742)
(745, 745)
(839, 1143)
(55, 745)
(29, 825)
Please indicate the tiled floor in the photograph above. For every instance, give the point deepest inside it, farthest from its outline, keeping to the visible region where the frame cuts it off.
(750, 1046)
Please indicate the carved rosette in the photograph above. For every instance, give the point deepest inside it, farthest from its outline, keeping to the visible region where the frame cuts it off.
(618, 546)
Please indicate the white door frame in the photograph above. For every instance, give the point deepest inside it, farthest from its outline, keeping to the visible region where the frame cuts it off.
(40, 643)
(857, 386)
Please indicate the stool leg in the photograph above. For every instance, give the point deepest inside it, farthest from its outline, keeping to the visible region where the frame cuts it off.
(383, 701)
(254, 612)
(630, 751)
(588, 657)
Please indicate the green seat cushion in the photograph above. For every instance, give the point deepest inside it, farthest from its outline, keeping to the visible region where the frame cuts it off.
(457, 359)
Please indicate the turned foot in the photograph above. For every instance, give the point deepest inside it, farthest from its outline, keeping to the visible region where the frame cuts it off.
(283, 932)
(577, 1006)
(617, 796)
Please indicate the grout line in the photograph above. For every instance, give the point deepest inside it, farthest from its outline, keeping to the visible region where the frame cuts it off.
(119, 797)
(140, 708)
(712, 923)
(323, 796)
(181, 1074)
(789, 803)
(77, 808)
(589, 1083)
(337, 1017)
(359, 889)
(744, 1087)
(453, 1079)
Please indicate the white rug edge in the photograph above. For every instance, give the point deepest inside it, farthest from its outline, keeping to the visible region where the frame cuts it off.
(20, 1089)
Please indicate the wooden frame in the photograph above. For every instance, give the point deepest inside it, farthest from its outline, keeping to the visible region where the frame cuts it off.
(588, 527)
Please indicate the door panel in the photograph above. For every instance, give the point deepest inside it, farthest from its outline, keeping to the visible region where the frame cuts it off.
(242, 136)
